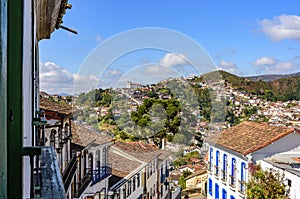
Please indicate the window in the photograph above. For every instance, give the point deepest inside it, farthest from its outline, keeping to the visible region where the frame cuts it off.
(210, 187)
(167, 169)
(224, 173)
(129, 188)
(210, 158)
(138, 180)
(224, 194)
(232, 174)
(289, 182)
(133, 183)
(243, 175)
(217, 162)
(216, 191)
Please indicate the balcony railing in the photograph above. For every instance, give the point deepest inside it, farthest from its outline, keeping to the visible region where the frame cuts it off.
(232, 181)
(101, 173)
(217, 171)
(224, 175)
(84, 182)
(210, 166)
(69, 172)
(242, 186)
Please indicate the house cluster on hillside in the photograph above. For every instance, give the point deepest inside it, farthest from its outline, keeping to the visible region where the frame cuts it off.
(233, 151)
(93, 165)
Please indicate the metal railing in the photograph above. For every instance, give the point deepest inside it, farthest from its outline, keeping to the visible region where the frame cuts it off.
(242, 186)
(232, 181)
(83, 183)
(224, 175)
(217, 171)
(69, 171)
(101, 173)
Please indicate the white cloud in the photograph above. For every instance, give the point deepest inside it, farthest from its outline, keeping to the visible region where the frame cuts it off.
(229, 67)
(264, 61)
(172, 59)
(273, 66)
(282, 27)
(55, 79)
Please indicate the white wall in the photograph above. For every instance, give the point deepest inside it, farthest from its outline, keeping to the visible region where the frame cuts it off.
(286, 143)
(28, 51)
(295, 188)
(217, 179)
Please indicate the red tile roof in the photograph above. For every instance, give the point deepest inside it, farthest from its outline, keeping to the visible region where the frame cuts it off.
(248, 137)
(82, 135)
(139, 150)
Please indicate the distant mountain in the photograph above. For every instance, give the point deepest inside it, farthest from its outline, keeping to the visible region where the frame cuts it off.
(273, 77)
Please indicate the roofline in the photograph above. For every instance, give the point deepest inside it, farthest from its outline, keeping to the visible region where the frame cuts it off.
(271, 141)
(255, 149)
(228, 150)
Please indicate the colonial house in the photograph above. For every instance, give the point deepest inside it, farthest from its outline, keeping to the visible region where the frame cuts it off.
(197, 180)
(92, 169)
(233, 149)
(288, 165)
(138, 171)
(81, 153)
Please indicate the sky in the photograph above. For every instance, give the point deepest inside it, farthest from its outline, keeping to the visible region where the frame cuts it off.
(148, 41)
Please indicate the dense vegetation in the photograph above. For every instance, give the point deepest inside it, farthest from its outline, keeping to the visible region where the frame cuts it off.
(283, 89)
(265, 184)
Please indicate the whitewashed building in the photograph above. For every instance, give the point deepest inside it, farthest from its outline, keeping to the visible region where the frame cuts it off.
(138, 171)
(288, 165)
(231, 151)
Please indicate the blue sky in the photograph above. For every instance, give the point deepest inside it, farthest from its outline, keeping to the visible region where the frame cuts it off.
(242, 37)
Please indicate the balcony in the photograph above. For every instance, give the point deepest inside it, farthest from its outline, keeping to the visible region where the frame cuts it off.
(83, 184)
(47, 180)
(209, 166)
(242, 186)
(224, 175)
(101, 173)
(217, 168)
(69, 172)
(232, 181)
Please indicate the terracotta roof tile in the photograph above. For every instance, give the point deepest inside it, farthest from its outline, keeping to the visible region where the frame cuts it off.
(50, 105)
(139, 150)
(248, 137)
(82, 135)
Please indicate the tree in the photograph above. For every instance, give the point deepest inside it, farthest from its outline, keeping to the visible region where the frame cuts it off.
(182, 179)
(265, 184)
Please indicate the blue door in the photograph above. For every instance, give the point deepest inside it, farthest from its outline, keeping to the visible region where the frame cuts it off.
(224, 194)
(216, 191)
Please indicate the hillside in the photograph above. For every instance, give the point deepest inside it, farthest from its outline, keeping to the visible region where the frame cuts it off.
(287, 88)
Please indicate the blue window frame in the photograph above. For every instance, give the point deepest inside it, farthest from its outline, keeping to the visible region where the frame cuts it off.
(232, 197)
(216, 191)
(224, 194)
(210, 158)
(217, 162)
(224, 167)
(210, 186)
(232, 174)
(243, 171)
(243, 177)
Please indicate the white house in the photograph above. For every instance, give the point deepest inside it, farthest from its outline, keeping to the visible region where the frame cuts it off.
(288, 164)
(233, 149)
(138, 171)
